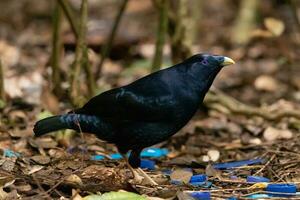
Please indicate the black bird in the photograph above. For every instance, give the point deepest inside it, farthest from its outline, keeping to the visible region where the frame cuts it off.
(145, 112)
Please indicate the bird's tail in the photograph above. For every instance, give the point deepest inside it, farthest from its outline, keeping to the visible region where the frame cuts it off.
(78, 122)
(49, 124)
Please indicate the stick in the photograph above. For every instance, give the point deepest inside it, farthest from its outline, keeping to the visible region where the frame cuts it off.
(80, 48)
(70, 16)
(56, 49)
(161, 35)
(106, 48)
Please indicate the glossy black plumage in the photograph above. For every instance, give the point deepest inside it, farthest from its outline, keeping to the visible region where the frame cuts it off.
(147, 111)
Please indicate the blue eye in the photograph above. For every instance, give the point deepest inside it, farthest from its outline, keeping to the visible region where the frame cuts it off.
(204, 62)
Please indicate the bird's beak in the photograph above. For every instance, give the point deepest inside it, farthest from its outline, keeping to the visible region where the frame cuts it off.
(227, 61)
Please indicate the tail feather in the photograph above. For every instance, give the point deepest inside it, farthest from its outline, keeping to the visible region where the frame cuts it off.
(49, 124)
(78, 122)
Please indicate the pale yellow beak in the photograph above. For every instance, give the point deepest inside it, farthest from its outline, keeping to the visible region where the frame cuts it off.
(227, 61)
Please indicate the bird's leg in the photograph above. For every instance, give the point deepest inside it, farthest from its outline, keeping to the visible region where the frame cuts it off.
(135, 161)
(137, 178)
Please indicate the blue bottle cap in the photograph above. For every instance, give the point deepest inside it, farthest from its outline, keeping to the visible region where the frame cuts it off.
(147, 164)
(257, 179)
(200, 195)
(282, 188)
(154, 152)
(198, 178)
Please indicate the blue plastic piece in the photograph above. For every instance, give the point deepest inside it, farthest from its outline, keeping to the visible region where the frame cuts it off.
(257, 179)
(229, 165)
(200, 195)
(282, 188)
(9, 153)
(167, 172)
(232, 198)
(115, 156)
(198, 178)
(147, 164)
(258, 196)
(176, 182)
(154, 152)
(97, 157)
(206, 184)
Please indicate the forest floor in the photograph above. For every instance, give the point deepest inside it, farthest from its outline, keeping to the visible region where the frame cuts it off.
(265, 77)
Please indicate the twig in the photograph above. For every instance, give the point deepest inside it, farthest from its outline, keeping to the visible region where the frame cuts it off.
(161, 35)
(40, 187)
(70, 16)
(215, 98)
(89, 73)
(184, 15)
(267, 163)
(80, 48)
(106, 48)
(2, 91)
(56, 49)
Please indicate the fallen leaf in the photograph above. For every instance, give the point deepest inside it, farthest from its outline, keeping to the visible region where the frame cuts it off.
(181, 175)
(41, 159)
(271, 134)
(74, 179)
(275, 26)
(266, 83)
(214, 155)
(115, 196)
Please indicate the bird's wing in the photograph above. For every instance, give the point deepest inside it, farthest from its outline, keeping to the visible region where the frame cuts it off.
(145, 102)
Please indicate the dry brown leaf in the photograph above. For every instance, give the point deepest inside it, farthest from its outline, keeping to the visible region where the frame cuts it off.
(271, 134)
(181, 175)
(275, 26)
(266, 83)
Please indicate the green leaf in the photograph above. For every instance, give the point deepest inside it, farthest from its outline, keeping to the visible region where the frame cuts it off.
(44, 114)
(115, 196)
(2, 104)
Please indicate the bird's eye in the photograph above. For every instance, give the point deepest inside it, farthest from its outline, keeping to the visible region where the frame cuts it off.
(204, 62)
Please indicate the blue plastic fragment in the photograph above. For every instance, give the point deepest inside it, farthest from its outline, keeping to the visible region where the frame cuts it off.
(115, 156)
(206, 184)
(229, 165)
(97, 157)
(154, 152)
(10, 154)
(146, 153)
(257, 179)
(167, 172)
(200, 195)
(258, 196)
(198, 178)
(176, 182)
(232, 198)
(147, 164)
(290, 189)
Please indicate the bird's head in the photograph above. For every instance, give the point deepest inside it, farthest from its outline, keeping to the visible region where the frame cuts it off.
(207, 61)
(204, 68)
(206, 65)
